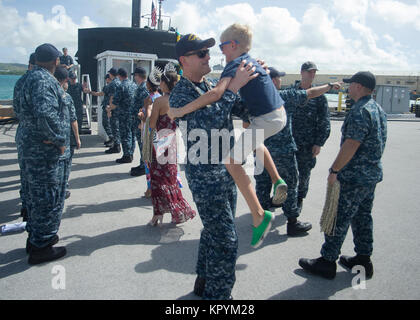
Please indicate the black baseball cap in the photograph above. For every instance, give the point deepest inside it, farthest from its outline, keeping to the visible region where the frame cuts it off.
(46, 52)
(308, 65)
(275, 73)
(72, 75)
(61, 73)
(122, 72)
(190, 42)
(113, 71)
(32, 58)
(365, 78)
(140, 71)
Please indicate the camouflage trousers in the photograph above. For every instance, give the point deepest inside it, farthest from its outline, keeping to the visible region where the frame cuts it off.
(128, 140)
(218, 247)
(287, 167)
(45, 190)
(137, 133)
(23, 186)
(79, 116)
(115, 127)
(305, 162)
(355, 209)
(106, 123)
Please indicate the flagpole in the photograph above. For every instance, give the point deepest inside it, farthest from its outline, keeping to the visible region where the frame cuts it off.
(160, 15)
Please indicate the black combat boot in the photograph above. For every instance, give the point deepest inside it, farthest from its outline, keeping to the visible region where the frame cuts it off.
(115, 149)
(48, 253)
(138, 171)
(297, 228)
(321, 267)
(29, 245)
(125, 159)
(358, 260)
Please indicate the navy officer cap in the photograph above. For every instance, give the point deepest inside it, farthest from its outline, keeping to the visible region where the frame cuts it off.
(190, 42)
(275, 73)
(46, 52)
(365, 78)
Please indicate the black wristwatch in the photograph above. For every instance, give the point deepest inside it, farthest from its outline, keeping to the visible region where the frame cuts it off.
(331, 85)
(332, 171)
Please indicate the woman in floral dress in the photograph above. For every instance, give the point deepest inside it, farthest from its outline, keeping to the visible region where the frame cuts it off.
(166, 192)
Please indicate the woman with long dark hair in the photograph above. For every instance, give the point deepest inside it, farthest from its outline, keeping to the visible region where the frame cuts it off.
(166, 192)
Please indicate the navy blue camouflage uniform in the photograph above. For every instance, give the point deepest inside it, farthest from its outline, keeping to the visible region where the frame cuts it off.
(106, 122)
(124, 100)
(75, 91)
(141, 94)
(366, 123)
(311, 126)
(43, 117)
(16, 109)
(282, 148)
(68, 101)
(212, 187)
(114, 120)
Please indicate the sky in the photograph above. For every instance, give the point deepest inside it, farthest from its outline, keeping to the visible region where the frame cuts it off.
(342, 36)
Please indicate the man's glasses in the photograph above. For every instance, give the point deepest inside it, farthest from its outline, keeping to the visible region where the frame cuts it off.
(200, 53)
(226, 42)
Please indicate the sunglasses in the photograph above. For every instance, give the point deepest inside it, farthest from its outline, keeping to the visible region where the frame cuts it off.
(226, 42)
(200, 53)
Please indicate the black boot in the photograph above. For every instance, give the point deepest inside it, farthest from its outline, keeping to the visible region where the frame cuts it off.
(29, 245)
(48, 253)
(115, 149)
(358, 260)
(321, 267)
(297, 228)
(138, 171)
(199, 285)
(125, 159)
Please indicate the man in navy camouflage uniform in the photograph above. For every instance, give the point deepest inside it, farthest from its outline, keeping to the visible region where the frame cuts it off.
(75, 91)
(16, 96)
(282, 148)
(106, 122)
(141, 94)
(43, 138)
(311, 129)
(358, 168)
(212, 187)
(61, 74)
(123, 102)
(113, 114)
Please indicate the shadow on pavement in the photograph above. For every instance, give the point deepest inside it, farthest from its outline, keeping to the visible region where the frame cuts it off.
(315, 288)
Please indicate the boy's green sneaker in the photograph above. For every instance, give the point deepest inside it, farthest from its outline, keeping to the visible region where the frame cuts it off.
(259, 233)
(280, 192)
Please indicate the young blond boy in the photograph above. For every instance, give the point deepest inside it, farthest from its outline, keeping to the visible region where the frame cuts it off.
(267, 114)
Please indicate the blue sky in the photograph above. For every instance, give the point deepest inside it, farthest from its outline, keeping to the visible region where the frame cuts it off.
(339, 35)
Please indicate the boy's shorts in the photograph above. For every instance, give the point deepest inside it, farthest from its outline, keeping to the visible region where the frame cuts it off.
(261, 128)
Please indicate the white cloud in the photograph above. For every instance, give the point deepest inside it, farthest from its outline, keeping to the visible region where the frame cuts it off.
(350, 10)
(25, 33)
(398, 13)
